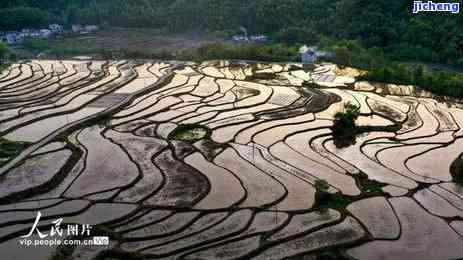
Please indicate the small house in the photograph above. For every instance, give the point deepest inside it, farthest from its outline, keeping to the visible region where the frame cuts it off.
(259, 38)
(91, 28)
(308, 57)
(253, 38)
(55, 28)
(240, 38)
(45, 33)
(79, 29)
(14, 38)
(76, 28)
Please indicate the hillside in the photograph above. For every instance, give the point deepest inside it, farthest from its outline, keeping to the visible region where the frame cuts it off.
(387, 27)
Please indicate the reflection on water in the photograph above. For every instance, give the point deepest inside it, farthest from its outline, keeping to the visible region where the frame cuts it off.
(38, 130)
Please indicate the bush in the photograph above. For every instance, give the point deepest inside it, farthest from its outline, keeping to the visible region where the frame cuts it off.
(189, 132)
(440, 82)
(344, 122)
(10, 149)
(344, 126)
(293, 35)
(3, 53)
(351, 53)
(457, 171)
(213, 51)
(36, 44)
(221, 34)
(322, 186)
(459, 63)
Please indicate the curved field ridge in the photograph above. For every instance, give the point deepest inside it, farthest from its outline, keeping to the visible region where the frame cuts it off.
(100, 153)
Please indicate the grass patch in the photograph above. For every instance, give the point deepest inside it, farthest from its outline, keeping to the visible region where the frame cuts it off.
(10, 149)
(369, 188)
(336, 201)
(189, 133)
(327, 200)
(322, 186)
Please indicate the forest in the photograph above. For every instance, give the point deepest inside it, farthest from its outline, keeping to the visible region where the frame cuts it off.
(386, 26)
(369, 34)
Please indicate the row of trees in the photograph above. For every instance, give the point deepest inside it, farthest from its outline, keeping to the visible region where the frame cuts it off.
(384, 67)
(439, 82)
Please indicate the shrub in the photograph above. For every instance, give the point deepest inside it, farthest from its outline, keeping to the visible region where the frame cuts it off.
(20, 17)
(457, 171)
(438, 82)
(189, 132)
(322, 186)
(3, 51)
(10, 149)
(459, 63)
(293, 35)
(213, 51)
(36, 44)
(344, 122)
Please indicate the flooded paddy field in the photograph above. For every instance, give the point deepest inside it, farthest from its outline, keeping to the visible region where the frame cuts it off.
(225, 161)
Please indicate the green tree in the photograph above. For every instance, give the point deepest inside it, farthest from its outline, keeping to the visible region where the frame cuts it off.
(3, 50)
(344, 126)
(23, 17)
(322, 186)
(36, 44)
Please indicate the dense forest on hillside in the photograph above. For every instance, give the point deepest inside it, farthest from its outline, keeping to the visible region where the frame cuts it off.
(378, 28)
(386, 26)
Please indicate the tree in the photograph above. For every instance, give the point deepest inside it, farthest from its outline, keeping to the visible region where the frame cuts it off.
(3, 51)
(322, 186)
(23, 17)
(344, 126)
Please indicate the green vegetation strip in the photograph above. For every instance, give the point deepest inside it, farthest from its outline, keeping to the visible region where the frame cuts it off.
(10, 149)
(189, 133)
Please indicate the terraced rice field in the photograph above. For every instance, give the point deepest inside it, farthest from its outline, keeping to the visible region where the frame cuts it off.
(210, 161)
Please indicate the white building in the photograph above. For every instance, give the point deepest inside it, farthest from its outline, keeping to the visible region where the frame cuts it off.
(79, 29)
(239, 38)
(308, 55)
(253, 38)
(76, 28)
(45, 33)
(259, 38)
(91, 28)
(14, 38)
(55, 28)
